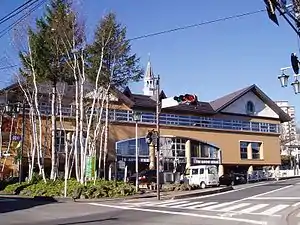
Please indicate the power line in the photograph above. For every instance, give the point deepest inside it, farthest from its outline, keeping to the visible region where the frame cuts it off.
(12, 14)
(8, 67)
(21, 6)
(197, 25)
(10, 27)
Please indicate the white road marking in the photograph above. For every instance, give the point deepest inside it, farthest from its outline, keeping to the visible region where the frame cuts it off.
(240, 189)
(234, 207)
(298, 215)
(172, 203)
(226, 192)
(201, 205)
(185, 205)
(254, 208)
(277, 198)
(296, 204)
(217, 206)
(266, 193)
(259, 222)
(274, 209)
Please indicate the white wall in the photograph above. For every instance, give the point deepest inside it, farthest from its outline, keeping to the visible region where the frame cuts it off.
(261, 109)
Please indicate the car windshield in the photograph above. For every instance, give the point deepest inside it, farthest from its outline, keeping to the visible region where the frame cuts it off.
(212, 170)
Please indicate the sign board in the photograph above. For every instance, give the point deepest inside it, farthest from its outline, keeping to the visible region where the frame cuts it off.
(90, 166)
(206, 161)
(121, 164)
(16, 137)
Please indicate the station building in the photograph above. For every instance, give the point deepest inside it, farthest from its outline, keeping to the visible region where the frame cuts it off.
(237, 132)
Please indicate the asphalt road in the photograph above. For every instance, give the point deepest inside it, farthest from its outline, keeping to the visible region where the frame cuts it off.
(272, 203)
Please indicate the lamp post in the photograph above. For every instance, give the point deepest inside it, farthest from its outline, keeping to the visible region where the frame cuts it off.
(284, 79)
(136, 118)
(13, 109)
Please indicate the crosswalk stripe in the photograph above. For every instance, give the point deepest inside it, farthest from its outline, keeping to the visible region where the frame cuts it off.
(253, 208)
(157, 203)
(274, 209)
(217, 206)
(231, 208)
(172, 203)
(201, 205)
(186, 204)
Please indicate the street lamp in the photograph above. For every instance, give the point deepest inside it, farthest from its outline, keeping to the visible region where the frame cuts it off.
(13, 109)
(283, 78)
(136, 118)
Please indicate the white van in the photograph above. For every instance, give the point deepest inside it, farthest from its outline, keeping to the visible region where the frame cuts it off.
(203, 175)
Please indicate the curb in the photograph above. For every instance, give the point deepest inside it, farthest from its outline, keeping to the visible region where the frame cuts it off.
(151, 195)
(208, 192)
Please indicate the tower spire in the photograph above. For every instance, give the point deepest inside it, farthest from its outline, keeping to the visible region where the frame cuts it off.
(148, 79)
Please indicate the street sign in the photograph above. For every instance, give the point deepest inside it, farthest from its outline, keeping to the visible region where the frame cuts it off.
(90, 166)
(121, 164)
(16, 137)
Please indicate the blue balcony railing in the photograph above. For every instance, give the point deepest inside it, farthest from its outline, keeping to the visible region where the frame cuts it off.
(178, 120)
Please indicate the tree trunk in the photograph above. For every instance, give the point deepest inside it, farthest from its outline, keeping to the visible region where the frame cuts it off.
(101, 151)
(81, 136)
(53, 174)
(77, 114)
(106, 135)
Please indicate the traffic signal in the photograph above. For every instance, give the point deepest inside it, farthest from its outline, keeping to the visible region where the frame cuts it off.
(187, 98)
(295, 63)
(149, 137)
(179, 98)
(271, 9)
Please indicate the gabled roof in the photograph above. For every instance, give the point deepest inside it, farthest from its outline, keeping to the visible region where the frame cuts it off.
(148, 102)
(221, 103)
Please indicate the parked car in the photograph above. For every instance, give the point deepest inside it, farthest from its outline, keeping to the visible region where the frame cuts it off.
(233, 179)
(145, 177)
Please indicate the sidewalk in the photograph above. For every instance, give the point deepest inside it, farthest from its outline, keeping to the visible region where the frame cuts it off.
(164, 195)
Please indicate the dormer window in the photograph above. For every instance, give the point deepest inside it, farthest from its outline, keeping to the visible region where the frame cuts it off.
(250, 108)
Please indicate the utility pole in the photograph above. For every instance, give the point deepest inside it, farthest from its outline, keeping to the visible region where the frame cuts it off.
(158, 109)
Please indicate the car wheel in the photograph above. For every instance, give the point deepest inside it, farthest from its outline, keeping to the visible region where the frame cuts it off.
(202, 185)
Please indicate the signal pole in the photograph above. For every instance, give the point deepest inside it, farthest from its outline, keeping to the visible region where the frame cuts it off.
(158, 109)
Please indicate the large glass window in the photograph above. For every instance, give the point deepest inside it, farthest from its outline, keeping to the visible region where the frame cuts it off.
(204, 151)
(255, 150)
(195, 149)
(179, 146)
(127, 147)
(244, 149)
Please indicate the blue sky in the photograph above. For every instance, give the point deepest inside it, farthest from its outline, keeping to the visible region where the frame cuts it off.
(210, 60)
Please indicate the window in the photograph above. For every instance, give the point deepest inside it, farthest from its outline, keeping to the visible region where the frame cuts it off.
(204, 151)
(60, 140)
(179, 147)
(201, 171)
(212, 170)
(244, 150)
(250, 109)
(195, 149)
(255, 150)
(194, 171)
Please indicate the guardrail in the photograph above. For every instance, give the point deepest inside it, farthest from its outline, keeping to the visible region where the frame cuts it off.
(261, 175)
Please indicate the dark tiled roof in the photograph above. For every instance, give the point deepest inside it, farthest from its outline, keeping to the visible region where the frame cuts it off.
(226, 100)
(143, 101)
(202, 108)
